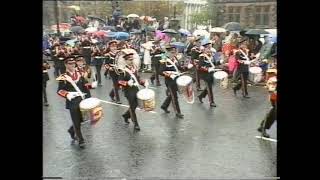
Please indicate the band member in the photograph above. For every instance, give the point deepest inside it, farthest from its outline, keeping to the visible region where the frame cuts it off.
(195, 52)
(61, 54)
(156, 57)
(169, 72)
(272, 114)
(86, 49)
(83, 68)
(242, 71)
(73, 98)
(45, 78)
(129, 85)
(98, 62)
(111, 54)
(206, 69)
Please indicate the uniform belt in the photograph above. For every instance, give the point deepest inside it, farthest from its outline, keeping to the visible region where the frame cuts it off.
(157, 55)
(87, 47)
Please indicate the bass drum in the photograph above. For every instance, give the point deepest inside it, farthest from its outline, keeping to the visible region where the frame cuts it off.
(146, 99)
(184, 83)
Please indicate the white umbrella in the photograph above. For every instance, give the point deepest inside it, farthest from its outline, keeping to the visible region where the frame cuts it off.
(132, 16)
(217, 29)
(91, 29)
(201, 33)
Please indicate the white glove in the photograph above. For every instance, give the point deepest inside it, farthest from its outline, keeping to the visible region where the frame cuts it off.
(221, 61)
(173, 76)
(211, 69)
(130, 82)
(72, 95)
(94, 84)
(265, 60)
(190, 66)
(146, 83)
(246, 62)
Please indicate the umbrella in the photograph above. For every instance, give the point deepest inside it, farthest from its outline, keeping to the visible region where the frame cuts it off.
(111, 34)
(184, 32)
(201, 33)
(256, 31)
(100, 33)
(150, 28)
(272, 31)
(132, 16)
(77, 29)
(91, 29)
(218, 30)
(170, 31)
(111, 28)
(135, 31)
(122, 36)
(97, 18)
(232, 26)
(179, 45)
(71, 42)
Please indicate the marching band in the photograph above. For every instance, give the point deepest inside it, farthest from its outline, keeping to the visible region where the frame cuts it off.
(122, 63)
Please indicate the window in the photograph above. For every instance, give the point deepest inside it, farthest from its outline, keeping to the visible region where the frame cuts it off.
(262, 15)
(234, 14)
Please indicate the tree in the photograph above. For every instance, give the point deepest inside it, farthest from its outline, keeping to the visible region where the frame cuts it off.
(201, 17)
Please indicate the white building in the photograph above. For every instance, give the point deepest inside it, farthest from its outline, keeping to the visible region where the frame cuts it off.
(191, 6)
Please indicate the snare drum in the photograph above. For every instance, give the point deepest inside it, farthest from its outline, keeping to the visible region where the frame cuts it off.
(184, 83)
(146, 99)
(255, 74)
(91, 107)
(222, 76)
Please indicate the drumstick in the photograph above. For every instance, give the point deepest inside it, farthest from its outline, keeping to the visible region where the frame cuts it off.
(108, 102)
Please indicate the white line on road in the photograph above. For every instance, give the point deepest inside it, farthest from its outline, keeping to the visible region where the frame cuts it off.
(108, 102)
(268, 139)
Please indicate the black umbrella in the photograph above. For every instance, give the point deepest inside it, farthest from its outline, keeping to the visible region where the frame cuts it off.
(77, 29)
(232, 26)
(256, 32)
(135, 31)
(170, 31)
(97, 18)
(150, 28)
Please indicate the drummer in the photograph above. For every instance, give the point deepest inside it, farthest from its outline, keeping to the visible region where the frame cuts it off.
(110, 54)
(242, 72)
(73, 98)
(130, 88)
(206, 72)
(98, 62)
(195, 52)
(156, 57)
(169, 72)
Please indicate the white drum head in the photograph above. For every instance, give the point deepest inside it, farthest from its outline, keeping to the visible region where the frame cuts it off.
(220, 75)
(184, 80)
(255, 70)
(145, 94)
(89, 103)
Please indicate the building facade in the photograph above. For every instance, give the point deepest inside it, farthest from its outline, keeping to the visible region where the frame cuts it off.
(249, 13)
(192, 6)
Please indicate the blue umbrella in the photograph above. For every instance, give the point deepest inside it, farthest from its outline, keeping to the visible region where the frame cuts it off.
(71, 42)
(184, 32)
(111, 35)
(179, 45)
(122, 36)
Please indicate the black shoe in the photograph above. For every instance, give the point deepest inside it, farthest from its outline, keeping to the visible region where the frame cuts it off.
(165, 109)
(112, 98)
(234, 91)
(136, 127)
(264, 134)
(126, 119)
(213, 104)
(82, 144)
(179, 115)
(46, 104)
(259, 129)
(118, 102)
(246, 96)
(200, 99)
(72, 135)
(152, 81)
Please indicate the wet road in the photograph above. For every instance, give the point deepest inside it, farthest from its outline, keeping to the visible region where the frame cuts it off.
(208, 143)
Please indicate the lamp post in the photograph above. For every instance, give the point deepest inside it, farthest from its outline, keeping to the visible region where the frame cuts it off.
(57, 17)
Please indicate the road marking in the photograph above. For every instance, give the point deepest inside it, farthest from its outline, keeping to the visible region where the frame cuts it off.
(108, 102)
(268, 139)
